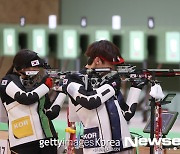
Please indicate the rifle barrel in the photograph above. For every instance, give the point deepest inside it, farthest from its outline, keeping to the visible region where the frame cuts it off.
(164, 72)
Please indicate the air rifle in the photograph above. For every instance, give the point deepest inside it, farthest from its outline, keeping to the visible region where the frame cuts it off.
(126, 73)
(129, 72)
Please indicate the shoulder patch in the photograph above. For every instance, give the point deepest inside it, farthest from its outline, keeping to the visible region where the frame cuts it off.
(4, 82)
(65, 81)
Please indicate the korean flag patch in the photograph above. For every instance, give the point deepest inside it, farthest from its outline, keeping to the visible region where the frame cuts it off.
(34, 62)
(65, 81)
(4, 82)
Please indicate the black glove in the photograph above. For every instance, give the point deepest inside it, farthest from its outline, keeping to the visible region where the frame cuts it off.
(54, 112)
(71, 78)
(115, 82)
(138, 82)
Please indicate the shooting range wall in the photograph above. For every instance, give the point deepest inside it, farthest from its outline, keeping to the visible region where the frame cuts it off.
(132, 12)
(138, 45)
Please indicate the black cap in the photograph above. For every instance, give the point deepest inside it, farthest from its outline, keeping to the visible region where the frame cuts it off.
(26, 58)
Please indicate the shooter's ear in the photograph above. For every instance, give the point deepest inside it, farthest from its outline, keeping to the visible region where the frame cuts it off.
(97, 61)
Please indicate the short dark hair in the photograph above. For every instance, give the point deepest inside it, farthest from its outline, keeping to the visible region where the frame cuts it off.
(105, 50)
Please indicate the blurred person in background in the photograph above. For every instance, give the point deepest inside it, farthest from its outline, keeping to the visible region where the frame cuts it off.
(24, 94)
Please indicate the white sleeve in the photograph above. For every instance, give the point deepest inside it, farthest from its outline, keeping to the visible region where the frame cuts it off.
(60, 99)
(133, 96)
(90, 99)
(24, 97)
(129, 107)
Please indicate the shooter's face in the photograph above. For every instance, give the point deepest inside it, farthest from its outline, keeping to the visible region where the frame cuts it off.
(105, 64)
(30, 71)
(32, 76)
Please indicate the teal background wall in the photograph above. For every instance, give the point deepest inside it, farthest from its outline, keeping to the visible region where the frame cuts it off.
(132, 12)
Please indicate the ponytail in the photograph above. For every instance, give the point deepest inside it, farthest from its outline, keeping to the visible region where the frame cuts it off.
(10, 71)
